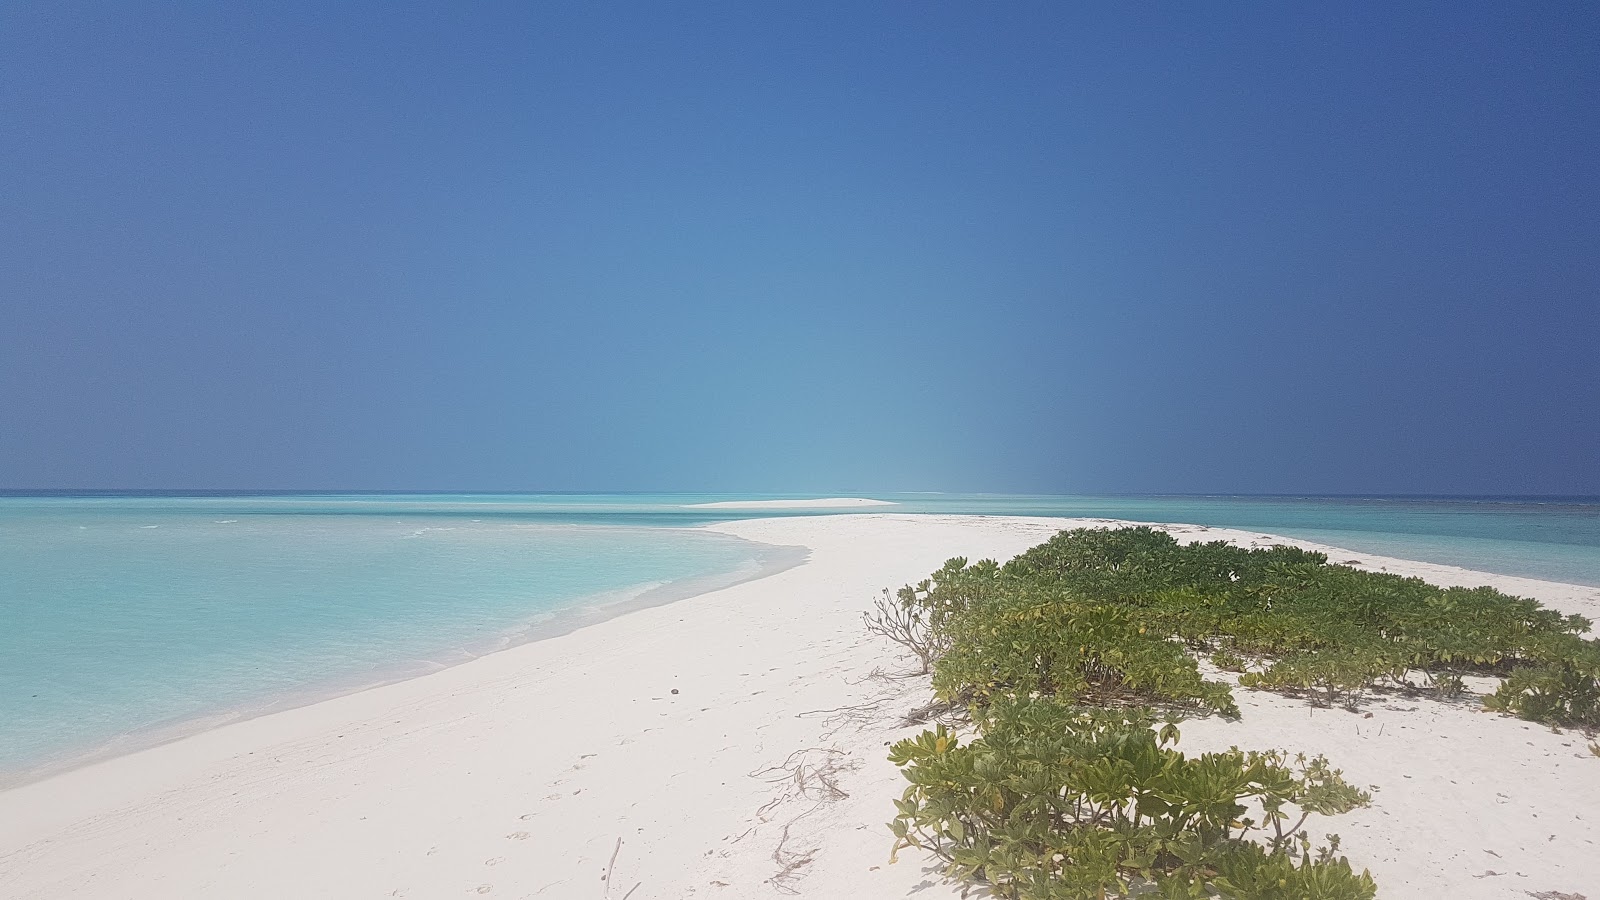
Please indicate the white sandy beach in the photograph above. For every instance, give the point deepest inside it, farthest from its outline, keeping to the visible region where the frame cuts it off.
(658, 739)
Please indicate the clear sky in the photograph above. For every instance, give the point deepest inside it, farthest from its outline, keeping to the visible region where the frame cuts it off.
(1051, 247)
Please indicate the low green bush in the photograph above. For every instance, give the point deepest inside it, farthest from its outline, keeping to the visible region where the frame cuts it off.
(1122, 615)
(1560, 693)
(1069, 791)
(1059, 802)
(1019, 637)
(1329, 676)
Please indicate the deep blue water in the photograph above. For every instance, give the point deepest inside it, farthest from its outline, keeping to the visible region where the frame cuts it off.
(124, 613)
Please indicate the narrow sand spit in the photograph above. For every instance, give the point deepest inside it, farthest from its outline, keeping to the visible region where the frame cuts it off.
(653, 757)
(827, 503)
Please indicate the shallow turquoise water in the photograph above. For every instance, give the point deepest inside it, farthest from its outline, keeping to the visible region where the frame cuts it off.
(120, 615)
(116, 620)
(1557, 539)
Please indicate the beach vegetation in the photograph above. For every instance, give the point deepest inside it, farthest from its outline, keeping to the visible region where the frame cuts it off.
(1057, 801)
(1562, 693)
(1026, 637)
(1125, 615)
(904, 620)
(1069, 788)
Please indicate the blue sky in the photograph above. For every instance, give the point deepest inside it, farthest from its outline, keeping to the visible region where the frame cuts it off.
(1348, 248)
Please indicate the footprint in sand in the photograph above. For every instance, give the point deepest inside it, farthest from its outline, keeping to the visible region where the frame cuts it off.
(495, 861)
(517, 836)
(485, 888)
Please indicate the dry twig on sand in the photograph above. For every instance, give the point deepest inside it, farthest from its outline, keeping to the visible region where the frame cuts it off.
(810, 774)
(611, 867)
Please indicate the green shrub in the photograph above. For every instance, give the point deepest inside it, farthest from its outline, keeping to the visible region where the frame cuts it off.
(1018, 637)
(1055, 802)
(1118, 615)
(1555, 694)
(1448, 684)
(1067, 793)
(1228, 661)
(1331, 676)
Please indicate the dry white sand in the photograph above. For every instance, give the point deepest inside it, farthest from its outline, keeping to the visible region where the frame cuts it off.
(657, 739)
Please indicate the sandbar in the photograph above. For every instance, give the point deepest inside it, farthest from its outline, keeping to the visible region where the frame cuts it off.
(825, 503)
(651, 756)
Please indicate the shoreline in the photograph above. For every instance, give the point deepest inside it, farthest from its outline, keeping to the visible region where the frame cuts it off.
(592, 610)
(661, 737)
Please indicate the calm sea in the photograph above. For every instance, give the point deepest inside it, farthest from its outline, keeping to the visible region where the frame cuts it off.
(125, 617)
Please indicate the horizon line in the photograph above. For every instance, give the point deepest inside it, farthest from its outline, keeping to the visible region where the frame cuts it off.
(249, 492)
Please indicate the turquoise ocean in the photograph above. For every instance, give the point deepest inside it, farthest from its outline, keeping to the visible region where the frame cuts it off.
(126, 618)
